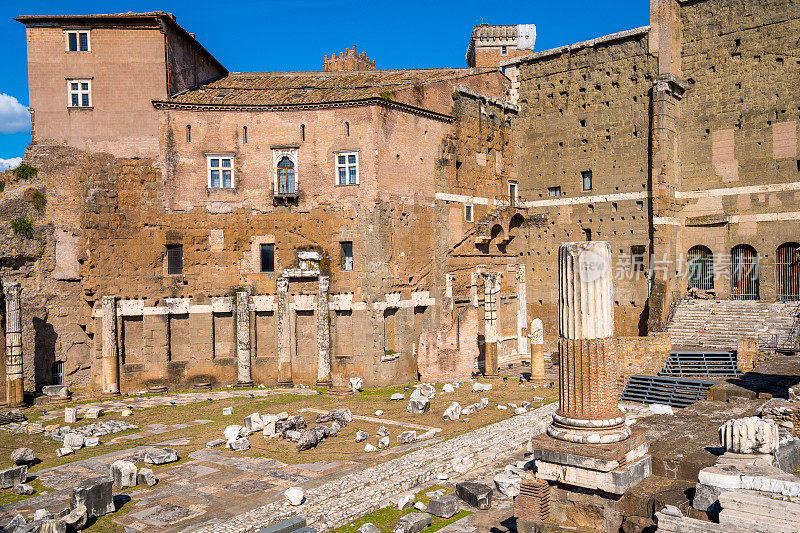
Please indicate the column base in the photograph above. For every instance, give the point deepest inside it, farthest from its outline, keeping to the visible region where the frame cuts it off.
(109, 395)
(243, 385)
(327, 384)
(15, 405)
(286, 384)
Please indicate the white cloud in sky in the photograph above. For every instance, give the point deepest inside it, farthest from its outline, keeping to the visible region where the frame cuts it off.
(14, 117)
(14, 162)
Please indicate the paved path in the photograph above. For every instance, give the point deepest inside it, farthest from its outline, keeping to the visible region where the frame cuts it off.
(340, 501)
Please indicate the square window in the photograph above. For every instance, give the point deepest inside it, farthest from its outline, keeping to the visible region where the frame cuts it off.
(554, 191)
(347, 255)
(83, 41)
(587, 180)
(220, 172)
(267, 258)
(77, 41)
(79, 93)
(174, 259)
(347, 168)
(73, 41)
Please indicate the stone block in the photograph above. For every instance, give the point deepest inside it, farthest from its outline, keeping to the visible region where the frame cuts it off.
(56, 391)
(453, 411)
(73, 440)
(123, 473)
(215, 443)
(253, 422)
(443, 506)
(91, 442)
(96, 495)
(295, 495)
(23, 489)
(159, 456)
(70, 415)
(749, 435)
(477, 495)
(383, 442)
(398, 396)
(413, 523)
(23, 456)
(227, 411)
(309, 438)
(241, 444)
(94, 412)
(76, 519)
(61, 452)
(614, 482)
(508, 483)
(369, 527)
(232, 432)
(361, 436)
(428, 390)
(419, 405)
(406, 436)
(356, 384)
(290, 525)
(13, 476)
(146, 477)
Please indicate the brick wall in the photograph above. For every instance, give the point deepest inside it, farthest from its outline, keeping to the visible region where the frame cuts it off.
(641, 355)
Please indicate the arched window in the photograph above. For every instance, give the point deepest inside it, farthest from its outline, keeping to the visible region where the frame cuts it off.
(302, 132)
(244, 134)
(700, 266)
(188, 133)
(744, 273)
(787, 271)
(286, 183)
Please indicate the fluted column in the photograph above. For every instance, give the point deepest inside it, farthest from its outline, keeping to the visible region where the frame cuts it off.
(491, 287)
(110, 360)
(323, 333)
(14, 389)
(284, 334)
(589, 410)
(243, 352)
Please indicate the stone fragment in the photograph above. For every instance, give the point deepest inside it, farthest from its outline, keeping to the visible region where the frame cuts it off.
(480, 387)
(443, 506)
(383, 442)
(370, 448)
(91, 442)
(749, 436)
(343, 416)
(406, 436)
(382, 431)
(309, 438)
(34, 428)
(526, 405)
(23, 489)
(159, 456)
(94, 412)
(484, 403)
(405, 501)
(293, 435)
(96, 495)
(232, 432)
(73, 440)
(61, 452)
(503, 407)
(215, 443)
(361, 436)
(269, 428)
(245, 432)
(520, 411)
(468, 410)
(441, 476)
(369, 527)
(13, 476)
(42, 514)
(253, 422)
(427, 435)
(146, 477)
(123, 473)
(398, 396)
(295, 495)
(508, 484)
(428, 390)
(15, 522)
(419, 506)
(126, 412)
(453, 412)
(477, 495)
(239, 445)
(448, 387)
(356, 384)
(283, 415)
(334, 429)
(413, 523)
(70, 415)
(661, 409)
(46, 525)
(56, 391)
(419, 406)
(77, 518)
(227, 411)
(23, 456)
(378, 412)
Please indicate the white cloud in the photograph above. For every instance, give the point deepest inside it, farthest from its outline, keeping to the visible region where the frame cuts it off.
(14, 162)
(14, 117)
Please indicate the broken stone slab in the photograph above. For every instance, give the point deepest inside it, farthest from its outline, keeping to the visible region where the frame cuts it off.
(61, 452)
(427, 435)
(661, 409)
(397, 396)
(76, 519)
(13, 476)
(405, 501)
(759, 512)
(361, 436)
(91, 442)
(453, 412)
(12, 524)
(503, 407)
(146, 477)
(23, 489)
(382, 432)
(96, 495)
(481, 387)
(468, 410)
(342, 416)
(406, 437)
(215, 443)
(669, 523)
(73, 440)
(428, 390)
(42, 514)
(293, 435)
(94, 412)
(227, 411)
(419, 405)
(356, 384)
(269, 429)
(253, 422)
(370, 448)
(242, 444)
(283, 415)
(159, 456)
(443, 506)
(232, 432)
(749, 435)
(413, 523)
(421, 507)
(47, 525)
(383, 442)
(309, 438)
(23, 456)
(295, 495)
(123, 473)
(477, 495)
(56, 391)
(448, 387)
(369, 527)
(520, 411)
(508, 484)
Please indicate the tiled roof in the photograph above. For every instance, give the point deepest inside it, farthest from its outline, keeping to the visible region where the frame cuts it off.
(487, 31)
(128, 14)
(298, 88)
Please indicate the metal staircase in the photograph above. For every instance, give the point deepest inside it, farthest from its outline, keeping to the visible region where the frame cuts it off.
(675, 392)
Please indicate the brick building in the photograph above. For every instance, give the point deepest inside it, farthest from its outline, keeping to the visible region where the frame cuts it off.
(214, 227)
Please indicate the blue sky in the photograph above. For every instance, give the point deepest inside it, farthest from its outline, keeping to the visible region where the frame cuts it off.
(296, 34)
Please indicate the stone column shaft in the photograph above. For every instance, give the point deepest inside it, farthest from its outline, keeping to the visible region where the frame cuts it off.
(588, 410)
(14, 388)
(537, 354)
(243, 374)
(323, 333)
(522, 310)
(284, 334)
(110, 359)
(491, 287)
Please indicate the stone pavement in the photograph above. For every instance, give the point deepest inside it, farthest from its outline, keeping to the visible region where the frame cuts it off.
(340, 501)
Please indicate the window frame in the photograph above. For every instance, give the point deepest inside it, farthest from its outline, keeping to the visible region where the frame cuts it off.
(556, 189)
(343, 257)
(80, 92)
(513, 199)
(504, 50)
(209, 168)
(77, 32)
(584, 175)
(471, 216)
(347, 166)
(167, 249)
(261, 257)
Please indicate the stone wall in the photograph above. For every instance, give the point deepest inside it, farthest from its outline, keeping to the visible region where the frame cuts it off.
(642, 355)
